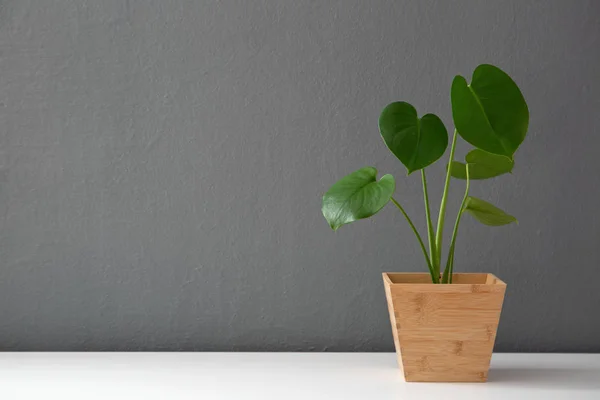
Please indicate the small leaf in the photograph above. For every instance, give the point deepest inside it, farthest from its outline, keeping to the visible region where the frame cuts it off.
(417, 142)
(487, 213)
(482, 165)
(491, 112)
(357, 196)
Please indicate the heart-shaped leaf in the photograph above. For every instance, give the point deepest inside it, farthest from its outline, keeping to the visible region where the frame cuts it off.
(482, 165)
(491, 112)
(417, 142)
(487, 213)
(357, 196)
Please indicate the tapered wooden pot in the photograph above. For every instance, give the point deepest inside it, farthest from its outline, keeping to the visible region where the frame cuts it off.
(444, 333)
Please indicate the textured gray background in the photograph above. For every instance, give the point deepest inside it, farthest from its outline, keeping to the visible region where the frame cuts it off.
(162, 162)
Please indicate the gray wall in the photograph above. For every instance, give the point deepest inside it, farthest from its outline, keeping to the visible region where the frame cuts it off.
(162, 162)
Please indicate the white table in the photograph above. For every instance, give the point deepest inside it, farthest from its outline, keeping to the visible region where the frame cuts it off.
(282, 376)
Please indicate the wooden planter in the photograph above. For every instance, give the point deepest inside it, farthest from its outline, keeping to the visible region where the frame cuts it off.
(444, 333)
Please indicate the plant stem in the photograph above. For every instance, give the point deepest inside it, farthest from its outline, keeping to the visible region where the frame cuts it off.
(430, 231)
(434, 278)
(448, 271)
(440, 225)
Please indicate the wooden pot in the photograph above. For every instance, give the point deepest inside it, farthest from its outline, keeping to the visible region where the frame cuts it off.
(444, 333)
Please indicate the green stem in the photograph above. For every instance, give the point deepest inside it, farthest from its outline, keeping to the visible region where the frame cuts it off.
(434, 278)
(448, 271)
(440, 225)
(430, 231)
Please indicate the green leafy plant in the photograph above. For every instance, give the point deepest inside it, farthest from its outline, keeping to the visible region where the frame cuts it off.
(489, 113)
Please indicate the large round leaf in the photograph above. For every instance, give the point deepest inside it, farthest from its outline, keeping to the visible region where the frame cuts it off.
(357, 196)
(487, 213)
(491, 112)
(482, 165)
(417, 142)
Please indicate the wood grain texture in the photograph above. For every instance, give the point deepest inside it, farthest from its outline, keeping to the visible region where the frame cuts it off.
(444, 333)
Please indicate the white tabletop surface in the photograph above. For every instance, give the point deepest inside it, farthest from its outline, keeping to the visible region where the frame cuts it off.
(285, 376)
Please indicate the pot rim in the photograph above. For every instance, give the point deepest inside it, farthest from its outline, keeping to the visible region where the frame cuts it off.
(459, 279)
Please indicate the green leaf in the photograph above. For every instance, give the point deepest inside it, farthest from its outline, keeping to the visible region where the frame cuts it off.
(491, 112)
(417, 142)
(482, 165)
(357, 196)
(487, 213)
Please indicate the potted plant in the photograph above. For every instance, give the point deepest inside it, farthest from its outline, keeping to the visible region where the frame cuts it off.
(444, 323)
